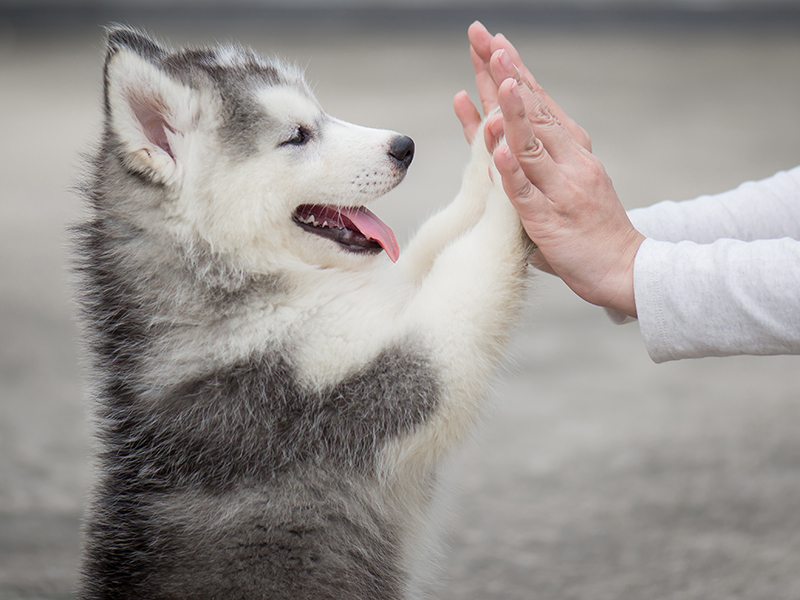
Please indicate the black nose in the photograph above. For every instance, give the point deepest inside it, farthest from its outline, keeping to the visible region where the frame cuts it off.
(402, 150)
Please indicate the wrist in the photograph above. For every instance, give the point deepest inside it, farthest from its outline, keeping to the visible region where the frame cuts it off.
(624, 300)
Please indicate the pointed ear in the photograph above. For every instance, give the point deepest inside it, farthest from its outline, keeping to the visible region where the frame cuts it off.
(150, 112)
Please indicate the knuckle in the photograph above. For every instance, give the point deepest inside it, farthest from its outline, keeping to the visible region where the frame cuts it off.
(587, 178)
(542, 115)
(542, 118)
(594, 172)
(533, 150)
(584, 139)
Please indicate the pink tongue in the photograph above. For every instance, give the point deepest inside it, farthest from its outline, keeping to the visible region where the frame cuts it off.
(372, 227)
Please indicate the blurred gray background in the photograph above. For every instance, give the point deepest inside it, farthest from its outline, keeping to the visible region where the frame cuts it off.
(597, 475)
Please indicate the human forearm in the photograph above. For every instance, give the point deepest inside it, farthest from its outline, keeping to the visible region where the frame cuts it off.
(719, 299)
(765, 209)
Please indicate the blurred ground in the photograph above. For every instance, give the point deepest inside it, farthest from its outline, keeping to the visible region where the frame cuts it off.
(598, 475)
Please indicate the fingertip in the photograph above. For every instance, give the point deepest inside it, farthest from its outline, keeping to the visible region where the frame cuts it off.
(499, 41)
(502, 41)
(504, 159)
(508, 95)
(493, 131)
(503, 67)
(495, 123)
(461, 100)
(480, 38)
(477, 27)
(467, 114)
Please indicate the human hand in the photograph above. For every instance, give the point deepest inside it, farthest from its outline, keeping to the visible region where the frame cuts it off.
(483, 45)
(565, 199)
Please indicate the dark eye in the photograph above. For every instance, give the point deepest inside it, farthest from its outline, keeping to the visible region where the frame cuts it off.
(301, 136)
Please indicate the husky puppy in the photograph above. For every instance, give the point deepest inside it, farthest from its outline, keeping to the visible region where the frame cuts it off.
(272, 394)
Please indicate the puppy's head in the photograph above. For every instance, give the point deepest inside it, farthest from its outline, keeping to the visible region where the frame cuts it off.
(221, 146)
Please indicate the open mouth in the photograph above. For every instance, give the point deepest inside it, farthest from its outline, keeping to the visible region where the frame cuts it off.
(356, 229)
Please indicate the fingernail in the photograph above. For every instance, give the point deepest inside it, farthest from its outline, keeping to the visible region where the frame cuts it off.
(504, 59)
(503, 153)
(517, 74)
(515, 89)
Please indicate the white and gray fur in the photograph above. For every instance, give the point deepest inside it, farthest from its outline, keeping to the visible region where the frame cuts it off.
(271, 406)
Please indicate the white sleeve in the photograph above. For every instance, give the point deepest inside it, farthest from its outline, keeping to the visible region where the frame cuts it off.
(721, 299)
(720, 275)
(756, 210)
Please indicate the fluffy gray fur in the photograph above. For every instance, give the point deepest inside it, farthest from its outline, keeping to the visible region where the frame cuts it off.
(228, 467)
(236, 482)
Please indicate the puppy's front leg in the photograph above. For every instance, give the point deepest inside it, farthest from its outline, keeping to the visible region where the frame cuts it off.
(464, 311)
(452, 221)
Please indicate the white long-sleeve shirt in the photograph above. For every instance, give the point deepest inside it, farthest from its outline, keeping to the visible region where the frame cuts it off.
(720, 275)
